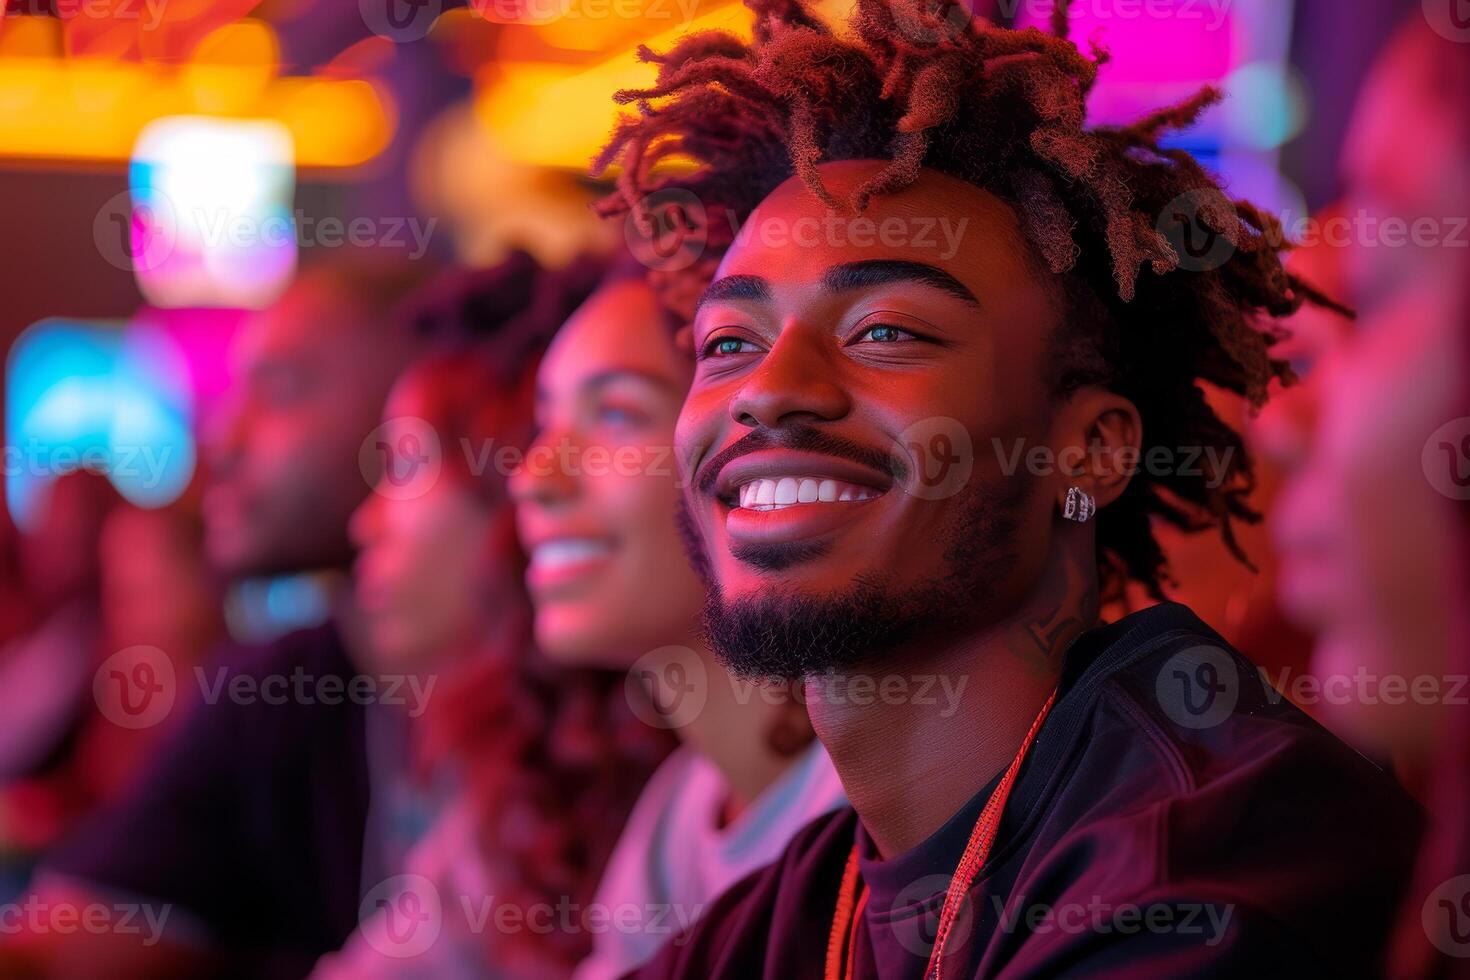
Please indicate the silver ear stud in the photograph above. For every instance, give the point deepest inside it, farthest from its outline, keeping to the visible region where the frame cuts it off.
(1079, 505)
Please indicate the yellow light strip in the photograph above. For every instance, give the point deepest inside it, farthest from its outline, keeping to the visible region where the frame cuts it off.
(93, 110)
(559, 115)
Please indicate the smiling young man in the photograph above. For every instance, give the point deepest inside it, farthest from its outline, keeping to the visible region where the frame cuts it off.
(913, 457)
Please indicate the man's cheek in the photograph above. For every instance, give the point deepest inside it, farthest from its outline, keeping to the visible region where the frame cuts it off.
(693, 437)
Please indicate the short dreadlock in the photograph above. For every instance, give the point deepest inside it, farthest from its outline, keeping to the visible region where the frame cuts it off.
(924, 84)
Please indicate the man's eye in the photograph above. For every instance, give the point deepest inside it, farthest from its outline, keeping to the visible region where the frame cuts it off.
(884, 334)
(728, 346)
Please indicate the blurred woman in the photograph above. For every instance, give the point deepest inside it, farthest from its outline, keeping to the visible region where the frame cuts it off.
(524, 771)
(596, 505)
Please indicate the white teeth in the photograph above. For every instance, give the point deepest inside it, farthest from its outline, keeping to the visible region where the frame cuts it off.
(565, 551)
(776, 493)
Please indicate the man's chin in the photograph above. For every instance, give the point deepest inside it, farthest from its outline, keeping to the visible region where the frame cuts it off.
(779, 632)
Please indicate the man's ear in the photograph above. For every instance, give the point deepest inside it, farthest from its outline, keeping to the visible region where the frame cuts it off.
(1098, 437)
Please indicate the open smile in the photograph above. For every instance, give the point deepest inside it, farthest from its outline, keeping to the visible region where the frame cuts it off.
(774, 496)
(559, 561)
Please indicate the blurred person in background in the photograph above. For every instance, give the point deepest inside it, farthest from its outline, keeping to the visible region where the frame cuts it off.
(155, 592)
(158, 591)
(46, 671)
(544, 760)
(1377, 444)
(16, 615)
(243, 842)
(1364, 530)
(596, 505)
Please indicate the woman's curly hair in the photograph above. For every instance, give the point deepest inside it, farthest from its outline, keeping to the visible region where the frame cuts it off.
(551, 757)
(924, 84)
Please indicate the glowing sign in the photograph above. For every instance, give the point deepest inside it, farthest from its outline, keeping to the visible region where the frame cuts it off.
(97, 396)
(211, 221)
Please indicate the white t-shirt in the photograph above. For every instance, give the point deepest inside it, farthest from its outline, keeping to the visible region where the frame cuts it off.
(673, 858)
(671, 861)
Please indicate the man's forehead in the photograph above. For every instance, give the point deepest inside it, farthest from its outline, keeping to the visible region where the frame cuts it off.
(937, 220)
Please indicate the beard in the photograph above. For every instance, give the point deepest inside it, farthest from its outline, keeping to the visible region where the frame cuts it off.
(777, 634)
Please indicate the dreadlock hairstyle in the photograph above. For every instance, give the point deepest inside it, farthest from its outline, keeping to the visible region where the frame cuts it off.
(924, 84)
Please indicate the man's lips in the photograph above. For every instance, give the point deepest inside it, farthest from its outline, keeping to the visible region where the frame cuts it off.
(775, 496)
(788, 477)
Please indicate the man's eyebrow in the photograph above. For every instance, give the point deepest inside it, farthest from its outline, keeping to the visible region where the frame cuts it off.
(735, 287)
(881, 272)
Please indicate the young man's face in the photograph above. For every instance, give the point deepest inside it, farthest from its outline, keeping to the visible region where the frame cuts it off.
(840, 438)
(311, 375)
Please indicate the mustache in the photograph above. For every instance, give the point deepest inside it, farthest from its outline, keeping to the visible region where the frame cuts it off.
(806, 438)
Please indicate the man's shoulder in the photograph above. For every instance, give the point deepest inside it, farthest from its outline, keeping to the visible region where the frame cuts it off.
(1183, 779)
(1207, 714)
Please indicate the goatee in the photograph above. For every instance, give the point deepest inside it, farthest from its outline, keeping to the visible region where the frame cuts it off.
(780, 634)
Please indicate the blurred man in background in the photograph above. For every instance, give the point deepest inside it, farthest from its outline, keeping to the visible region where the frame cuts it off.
(46, 671)
(245, 838)
(1370, 523)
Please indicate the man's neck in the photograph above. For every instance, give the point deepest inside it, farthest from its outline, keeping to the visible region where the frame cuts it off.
(953, 717)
